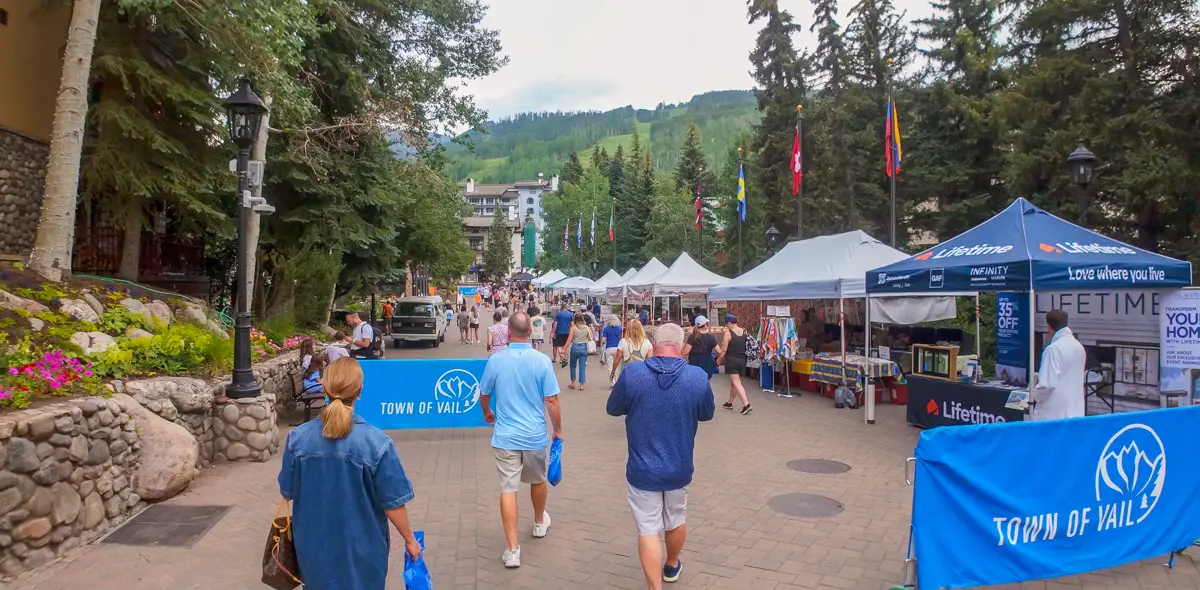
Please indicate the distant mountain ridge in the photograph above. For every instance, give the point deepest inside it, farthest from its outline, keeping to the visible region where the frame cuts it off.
(519, 147)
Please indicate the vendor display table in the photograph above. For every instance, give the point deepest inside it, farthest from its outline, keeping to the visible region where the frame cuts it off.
(937, 402)
(827, 368)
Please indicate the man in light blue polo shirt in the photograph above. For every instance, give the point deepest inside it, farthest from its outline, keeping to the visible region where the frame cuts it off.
(527, 390)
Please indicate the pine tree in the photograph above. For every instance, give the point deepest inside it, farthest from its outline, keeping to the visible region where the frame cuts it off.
(780, 74)
(830, 177)
(616, 172)
(573, 171)
(1098, 71)
(692, 173)
(879, 49)
(953, 185)
(497, 258)
(753, 228)
(600, 159)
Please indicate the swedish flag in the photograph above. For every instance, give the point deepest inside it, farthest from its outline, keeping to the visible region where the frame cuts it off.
(741, 194)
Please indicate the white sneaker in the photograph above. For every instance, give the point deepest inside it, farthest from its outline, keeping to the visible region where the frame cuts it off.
(512, 558)
(540, 530)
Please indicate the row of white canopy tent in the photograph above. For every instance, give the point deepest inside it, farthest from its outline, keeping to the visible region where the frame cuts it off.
(551, 277)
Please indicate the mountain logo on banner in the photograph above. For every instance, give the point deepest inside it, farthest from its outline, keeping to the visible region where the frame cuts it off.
(932, 408)
(1132, 471)
(924, 255)
(456, 392)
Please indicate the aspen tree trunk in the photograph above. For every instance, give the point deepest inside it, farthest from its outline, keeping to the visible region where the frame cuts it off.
(51, 256)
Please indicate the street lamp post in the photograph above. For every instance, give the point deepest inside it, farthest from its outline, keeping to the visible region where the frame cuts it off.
(244, 112)
(772, 239)
(1082, 166)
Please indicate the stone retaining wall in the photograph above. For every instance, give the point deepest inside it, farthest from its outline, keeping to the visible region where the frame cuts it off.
(22, 180)
(66, 478)
(216, 422)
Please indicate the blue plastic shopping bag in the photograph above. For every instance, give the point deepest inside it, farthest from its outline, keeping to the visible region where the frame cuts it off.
(416, 575)
(554, 471)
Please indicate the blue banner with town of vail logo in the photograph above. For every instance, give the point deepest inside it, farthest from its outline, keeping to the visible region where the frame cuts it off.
(1006, 503)
(426, 393)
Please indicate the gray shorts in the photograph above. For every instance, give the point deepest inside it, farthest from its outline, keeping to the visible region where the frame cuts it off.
(517, 467)
(655, 512)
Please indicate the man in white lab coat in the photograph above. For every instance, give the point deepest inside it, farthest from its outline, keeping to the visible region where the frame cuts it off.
(1059, 390)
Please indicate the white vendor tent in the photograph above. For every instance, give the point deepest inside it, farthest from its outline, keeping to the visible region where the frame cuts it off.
(550, 277)
(685, 276)
(651, 271)
(826, 267)
(572, 284)
(598, 288)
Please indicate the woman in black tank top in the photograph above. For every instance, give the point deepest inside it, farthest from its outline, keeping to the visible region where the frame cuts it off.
(735, 362)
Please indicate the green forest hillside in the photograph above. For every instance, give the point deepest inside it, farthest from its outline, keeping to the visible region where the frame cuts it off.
(520, 147)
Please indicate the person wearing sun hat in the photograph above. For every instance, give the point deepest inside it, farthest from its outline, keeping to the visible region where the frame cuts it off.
(701, 346)
(734, 357)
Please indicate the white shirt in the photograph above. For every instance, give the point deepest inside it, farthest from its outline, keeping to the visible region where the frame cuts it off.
(361, 332)
(334, 352)
(1059, 391)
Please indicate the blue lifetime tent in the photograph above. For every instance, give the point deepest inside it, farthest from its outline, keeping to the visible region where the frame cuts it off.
(1024, 248)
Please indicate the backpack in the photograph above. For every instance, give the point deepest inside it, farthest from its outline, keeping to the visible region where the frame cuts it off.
(752, 347)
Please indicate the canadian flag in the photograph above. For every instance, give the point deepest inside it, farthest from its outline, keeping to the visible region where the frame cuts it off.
(797, 164)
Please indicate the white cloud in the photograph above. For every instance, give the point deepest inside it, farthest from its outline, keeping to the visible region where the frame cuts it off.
(583, 55)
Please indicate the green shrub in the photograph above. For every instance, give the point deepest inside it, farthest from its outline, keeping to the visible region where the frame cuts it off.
(279, 329)
(117, 318)
(218, 355)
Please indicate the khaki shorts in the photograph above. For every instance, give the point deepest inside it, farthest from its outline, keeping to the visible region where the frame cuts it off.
(655, 512)
(517, 467)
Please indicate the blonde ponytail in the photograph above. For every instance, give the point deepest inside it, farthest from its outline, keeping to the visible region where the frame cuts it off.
(343, 382)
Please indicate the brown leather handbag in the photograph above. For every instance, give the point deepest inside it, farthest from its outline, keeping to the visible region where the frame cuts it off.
(281, 568)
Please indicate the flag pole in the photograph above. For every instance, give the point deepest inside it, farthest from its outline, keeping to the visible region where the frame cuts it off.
(612, 222)
(740, 205)
(699, 219)
(891, 166)
(800, 188)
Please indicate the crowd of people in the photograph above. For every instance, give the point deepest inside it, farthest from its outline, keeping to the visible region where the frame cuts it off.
(660, 386)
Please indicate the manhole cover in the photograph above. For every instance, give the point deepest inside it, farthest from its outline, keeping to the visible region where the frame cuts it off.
(164, 525)
(818, 466)
(805, 505)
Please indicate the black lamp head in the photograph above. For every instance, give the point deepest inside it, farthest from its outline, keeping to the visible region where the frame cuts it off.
(1082, 166)
(244, 111)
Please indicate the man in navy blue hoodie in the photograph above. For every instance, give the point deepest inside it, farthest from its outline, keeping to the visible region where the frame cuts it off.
(663, 399)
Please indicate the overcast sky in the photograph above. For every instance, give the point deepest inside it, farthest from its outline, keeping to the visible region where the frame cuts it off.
(598, 55)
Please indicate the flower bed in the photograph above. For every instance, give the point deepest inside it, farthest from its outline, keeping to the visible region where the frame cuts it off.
(66, 340)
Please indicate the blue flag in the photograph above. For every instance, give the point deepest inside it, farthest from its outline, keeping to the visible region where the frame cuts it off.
(579, 234)
(741, 194)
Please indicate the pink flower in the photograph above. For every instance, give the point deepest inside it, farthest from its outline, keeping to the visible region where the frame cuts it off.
(14, 371)
(87, 373)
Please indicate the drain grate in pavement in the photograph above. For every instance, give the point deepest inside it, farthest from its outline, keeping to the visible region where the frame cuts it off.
(818, 466)
(163, 525)
(805, 505)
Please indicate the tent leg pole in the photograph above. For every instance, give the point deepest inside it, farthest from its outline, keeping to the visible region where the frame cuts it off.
(869, 388)
(978, 351)
(1031, 374)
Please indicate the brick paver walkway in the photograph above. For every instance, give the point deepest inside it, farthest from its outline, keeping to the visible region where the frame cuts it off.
(736, 540)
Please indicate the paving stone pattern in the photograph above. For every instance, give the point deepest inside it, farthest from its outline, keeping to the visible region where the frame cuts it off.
(735, 540)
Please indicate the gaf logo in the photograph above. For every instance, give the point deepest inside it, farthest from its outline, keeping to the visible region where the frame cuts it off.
(1077, 248)
(955, 252)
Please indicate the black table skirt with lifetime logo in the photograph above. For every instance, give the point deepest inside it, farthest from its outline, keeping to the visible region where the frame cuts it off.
(936, 402)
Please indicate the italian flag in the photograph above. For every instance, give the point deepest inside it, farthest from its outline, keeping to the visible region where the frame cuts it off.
(612, 236)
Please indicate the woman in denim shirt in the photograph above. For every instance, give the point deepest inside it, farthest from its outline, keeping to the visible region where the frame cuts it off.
(345, 482)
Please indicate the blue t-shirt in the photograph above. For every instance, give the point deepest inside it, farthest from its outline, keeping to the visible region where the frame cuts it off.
(520, 379)
(596, 310)
(564, 319)
(612, 336)
(643, 317)
(663, 400)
